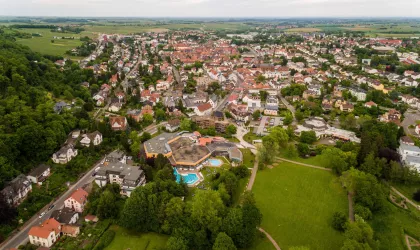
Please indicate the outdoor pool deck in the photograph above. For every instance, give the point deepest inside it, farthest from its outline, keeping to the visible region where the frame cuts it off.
(187, 172)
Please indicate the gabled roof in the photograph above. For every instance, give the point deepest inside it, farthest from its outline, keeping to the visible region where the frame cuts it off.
(203, 107)
(45, 229)
(80, 195)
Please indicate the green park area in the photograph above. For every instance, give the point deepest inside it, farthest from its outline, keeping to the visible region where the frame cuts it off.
(41, 41)
(289, 196)
(125, 239)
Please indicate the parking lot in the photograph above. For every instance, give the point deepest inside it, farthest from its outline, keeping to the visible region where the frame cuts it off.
(266, 123)
(410, 118)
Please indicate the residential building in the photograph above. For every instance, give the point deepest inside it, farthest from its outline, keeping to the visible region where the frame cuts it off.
(410, 155)
(126, 176)
(17, 190)
(65, 216)
(95, 138)
(118, 123)
(65, 154)
(39, 174)
(173, 125)
(77, 200)
(46, 234)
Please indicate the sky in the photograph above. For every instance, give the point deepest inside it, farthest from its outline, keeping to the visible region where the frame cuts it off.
(211, 8)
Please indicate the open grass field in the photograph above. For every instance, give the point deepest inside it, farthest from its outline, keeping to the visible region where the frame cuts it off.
(317, 160)
(121, 29)
(289, 196)
(306, 29)
(127, 240)
(248, 157)
(390, 224)
(44, 45)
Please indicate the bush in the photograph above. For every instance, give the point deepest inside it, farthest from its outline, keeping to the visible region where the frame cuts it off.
(105, 240)
(339, 221)
(416, 195)
(240, 171)
(363, 212)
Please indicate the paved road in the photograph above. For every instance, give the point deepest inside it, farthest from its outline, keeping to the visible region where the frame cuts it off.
(21, 237)
(222, 104)
(408, 200)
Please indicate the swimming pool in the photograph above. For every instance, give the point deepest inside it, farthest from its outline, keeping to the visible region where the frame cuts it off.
(215, 162)
(190, 179)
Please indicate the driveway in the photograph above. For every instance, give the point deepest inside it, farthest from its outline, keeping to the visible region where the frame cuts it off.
(410, 118)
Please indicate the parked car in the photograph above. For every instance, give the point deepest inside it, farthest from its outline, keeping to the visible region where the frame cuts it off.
(41, 215)
(51, 207)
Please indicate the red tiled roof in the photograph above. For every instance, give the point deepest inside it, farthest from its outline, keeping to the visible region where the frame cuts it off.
(204, 107)
(79, 195)
(45, 229)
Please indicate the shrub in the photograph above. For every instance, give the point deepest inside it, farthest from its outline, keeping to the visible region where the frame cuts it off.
(240, 171)
(363, 212)
(416, 195)
(105, 240)
(339, 221)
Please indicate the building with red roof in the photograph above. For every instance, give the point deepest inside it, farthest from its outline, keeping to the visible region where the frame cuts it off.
(46, 234)
(77, 200)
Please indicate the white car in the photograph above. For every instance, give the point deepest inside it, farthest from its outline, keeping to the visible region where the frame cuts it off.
(41, 215)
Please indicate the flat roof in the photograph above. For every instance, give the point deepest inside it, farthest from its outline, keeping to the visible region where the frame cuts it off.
(159, 144)
(185, 152)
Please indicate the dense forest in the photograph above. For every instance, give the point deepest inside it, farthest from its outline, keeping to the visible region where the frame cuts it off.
(30, 130)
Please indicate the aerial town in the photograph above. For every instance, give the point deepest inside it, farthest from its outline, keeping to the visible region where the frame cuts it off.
(180, 123)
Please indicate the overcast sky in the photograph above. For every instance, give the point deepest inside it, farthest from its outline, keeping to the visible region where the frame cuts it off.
(212, 8)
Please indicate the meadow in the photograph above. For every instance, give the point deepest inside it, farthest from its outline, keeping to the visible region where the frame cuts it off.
(44, 45)
(125, 239)
(289, 196)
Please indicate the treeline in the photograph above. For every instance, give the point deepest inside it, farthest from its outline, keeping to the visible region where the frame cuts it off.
(30, 131)
(33, 26)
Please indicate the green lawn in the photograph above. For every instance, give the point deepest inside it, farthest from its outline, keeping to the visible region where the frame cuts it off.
(407, 190)
(390, 224)
(248, 157)
(44, 45)
(127, 240)
(249, 137)
(315, 160)
(297, 204)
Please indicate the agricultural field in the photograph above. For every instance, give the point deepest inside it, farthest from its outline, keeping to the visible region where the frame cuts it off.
(44, 45)
(289, 195)
(121, 29)
(127, 240)
(306, 29)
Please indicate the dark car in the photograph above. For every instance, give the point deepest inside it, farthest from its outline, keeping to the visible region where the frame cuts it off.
(51, 207)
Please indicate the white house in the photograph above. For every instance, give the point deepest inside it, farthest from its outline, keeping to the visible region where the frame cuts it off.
(65, 154)
(94, 137)
(410, 155)
(77, 200)
(39, 174)
(46, 234)
(203, 109)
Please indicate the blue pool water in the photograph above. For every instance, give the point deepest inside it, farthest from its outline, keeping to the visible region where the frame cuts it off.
(215, 162)
(187, 178)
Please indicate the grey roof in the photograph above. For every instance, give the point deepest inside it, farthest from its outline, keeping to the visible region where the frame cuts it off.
(125, 171)
(114, 156)
(406, 147)
(159, 144)
(14, 187)
(63, 215)
(410, 159)
(38, 170)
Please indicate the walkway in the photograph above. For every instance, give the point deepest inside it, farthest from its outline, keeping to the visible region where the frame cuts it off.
(270, 238)
(408, 200)
(409, 244)
(253, 175)
(304, 164)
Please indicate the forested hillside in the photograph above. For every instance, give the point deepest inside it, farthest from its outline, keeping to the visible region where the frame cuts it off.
(30, 84)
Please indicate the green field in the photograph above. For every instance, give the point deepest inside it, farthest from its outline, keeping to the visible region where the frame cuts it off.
(317, 160)
(297, 204)
(248, 157)
(44, 45)
(126, 240)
